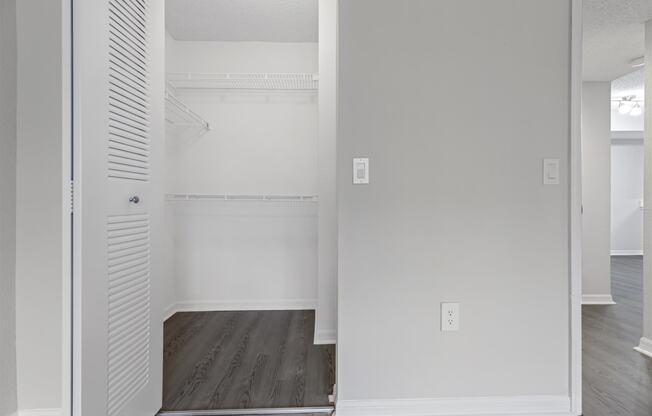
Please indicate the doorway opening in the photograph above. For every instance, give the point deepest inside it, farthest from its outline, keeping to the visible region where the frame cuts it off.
(204, 226)
(617, 372)
(242, 208)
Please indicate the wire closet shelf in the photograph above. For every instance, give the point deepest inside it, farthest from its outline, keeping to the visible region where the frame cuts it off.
(244, 81)
(179, 114)
(244, 198)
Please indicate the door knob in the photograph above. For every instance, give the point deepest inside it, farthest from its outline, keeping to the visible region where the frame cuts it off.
(134, 199)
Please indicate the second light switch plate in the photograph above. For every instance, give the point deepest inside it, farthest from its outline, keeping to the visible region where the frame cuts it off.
(551, 171)
(360, 171)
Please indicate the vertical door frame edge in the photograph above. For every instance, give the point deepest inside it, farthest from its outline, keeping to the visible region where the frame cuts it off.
(66, 207)
(575, 380)
(75, 232)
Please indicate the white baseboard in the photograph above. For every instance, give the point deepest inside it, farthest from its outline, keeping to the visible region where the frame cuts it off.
(39, 412)
(645, 347)
(169, 311)
(243, 305)
(323, 337)
(597, 300)
(477, 406)
(626, 252)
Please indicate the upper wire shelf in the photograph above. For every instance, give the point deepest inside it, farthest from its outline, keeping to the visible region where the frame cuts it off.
(179, 114)
(223, 197)
(244, 81)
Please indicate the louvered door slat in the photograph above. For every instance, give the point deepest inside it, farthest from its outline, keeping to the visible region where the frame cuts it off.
(129, 92)
(124, 8)
(129, 307)
(129, 86)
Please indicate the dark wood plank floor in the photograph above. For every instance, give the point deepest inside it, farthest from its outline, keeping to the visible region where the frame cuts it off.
(326, 412)
(617, 379)
(204, 413)
(252, 359)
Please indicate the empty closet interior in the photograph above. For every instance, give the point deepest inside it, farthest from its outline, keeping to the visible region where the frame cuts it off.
(243, 208)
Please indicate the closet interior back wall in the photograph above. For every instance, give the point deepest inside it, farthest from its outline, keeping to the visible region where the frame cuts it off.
(244, 255)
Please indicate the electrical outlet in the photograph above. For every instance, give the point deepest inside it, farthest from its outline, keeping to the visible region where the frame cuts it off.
(450, 317)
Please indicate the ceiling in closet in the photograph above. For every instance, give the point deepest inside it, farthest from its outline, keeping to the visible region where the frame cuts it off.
(243, 20)
(614, 34)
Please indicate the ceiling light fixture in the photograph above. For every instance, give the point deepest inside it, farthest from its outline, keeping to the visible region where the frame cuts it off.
(625, 106)
(629, 105)
(637, 110)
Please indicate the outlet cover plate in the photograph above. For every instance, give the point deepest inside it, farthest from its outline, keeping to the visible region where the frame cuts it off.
(450, 316)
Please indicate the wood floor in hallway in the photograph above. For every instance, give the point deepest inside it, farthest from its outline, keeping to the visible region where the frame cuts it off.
(251, 359)
(617, 379)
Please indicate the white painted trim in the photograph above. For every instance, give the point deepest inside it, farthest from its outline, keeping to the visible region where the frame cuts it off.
(66, 224)
(76, 367)
(324, 337)
(244, 305)
(478, 406)
(626, 252)
(627, 135)
(279, 411)
(597, 300)
(645, 347)
(169, 311)
(575, 209)
(40, 412)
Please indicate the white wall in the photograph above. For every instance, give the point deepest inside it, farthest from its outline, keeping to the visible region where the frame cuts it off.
(596, 191)
(259, 142)
(39, 204)
(453, 213)
(7, 207)
(627, 184)
(646, 341)
(627, 157)
(626, 122)
(184, 56)
(326, 320)
(169, 295)
(245, 255)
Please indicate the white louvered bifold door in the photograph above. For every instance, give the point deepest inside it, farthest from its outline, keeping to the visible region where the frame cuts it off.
(118, 116)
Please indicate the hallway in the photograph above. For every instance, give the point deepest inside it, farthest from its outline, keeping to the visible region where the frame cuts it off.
(617, 379)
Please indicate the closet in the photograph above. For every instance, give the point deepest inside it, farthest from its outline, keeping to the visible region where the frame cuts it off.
(242, 139)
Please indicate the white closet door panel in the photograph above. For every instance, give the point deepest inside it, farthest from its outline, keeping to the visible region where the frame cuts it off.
(118, 139)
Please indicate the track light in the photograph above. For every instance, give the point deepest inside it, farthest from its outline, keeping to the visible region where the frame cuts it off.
(628, 105)
(625, 106)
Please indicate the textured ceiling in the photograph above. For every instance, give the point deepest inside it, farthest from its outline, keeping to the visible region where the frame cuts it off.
(630, 84)
(614, 34)
(243, 20)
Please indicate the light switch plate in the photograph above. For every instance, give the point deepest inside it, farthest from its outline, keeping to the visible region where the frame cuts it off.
(360, 171)
(551, 171)
(450, 316)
